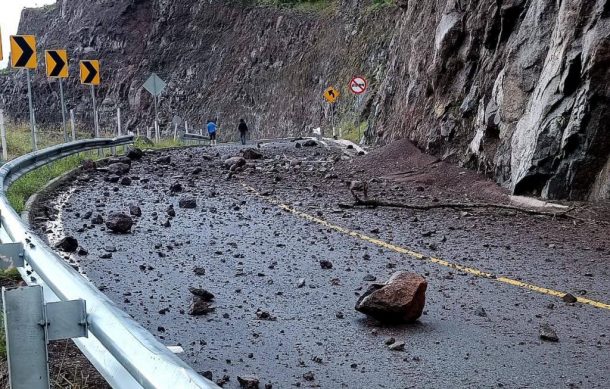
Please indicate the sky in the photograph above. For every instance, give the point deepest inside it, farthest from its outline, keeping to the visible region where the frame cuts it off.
(10, 12)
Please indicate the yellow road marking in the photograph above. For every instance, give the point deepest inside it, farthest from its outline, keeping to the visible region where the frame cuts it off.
(416, 255)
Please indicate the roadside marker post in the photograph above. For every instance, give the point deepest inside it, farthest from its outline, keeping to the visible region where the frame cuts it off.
(73, 125)
(155, 86)
(23, 56)
(90, 75)
(3, 137)
(57, 67)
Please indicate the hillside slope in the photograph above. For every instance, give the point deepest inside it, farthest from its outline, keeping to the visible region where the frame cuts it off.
(517, 88)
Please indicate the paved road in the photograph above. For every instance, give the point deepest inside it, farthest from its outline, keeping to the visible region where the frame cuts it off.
(254, 252)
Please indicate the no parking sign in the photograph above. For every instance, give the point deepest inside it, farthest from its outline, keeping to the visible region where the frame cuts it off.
(358, 85)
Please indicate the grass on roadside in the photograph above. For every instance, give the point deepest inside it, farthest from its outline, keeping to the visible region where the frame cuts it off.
(21, 190)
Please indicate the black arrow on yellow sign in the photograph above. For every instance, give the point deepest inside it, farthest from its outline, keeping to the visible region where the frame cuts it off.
(90, 72)
(57, 63)
(24, 51)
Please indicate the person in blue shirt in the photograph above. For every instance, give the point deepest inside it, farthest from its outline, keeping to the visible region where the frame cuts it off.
(212, 127)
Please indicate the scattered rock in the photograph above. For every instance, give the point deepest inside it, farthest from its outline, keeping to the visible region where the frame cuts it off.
(548, 333)
(82, 251)
(369, 278)
(252, 154)
(175, 187)
(326, 264)
(397, 346)
(126, 181)
(199, 307)
(134, 153)
(248, 382)
(400, 299)
(187, 202)
(310, 143)
(68, 244)
(309, 376)
(118, 168)
(264, 315)
(98, 219)
(119, 223)
(202, 293)
(301, 283)
(171, 212)
(569, 298)
(199, 271)
(234, 162)
(165, 160)
(134, 210)
(480, 312)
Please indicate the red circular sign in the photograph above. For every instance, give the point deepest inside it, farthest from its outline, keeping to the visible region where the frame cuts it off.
(358, 85)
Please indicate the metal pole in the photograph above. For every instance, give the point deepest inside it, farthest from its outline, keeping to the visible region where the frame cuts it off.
(3, 136)
(95, 122)
(157, 135)
(32, 118)
(73, 125)
(118, 120)
(175, 132)
(63, 109)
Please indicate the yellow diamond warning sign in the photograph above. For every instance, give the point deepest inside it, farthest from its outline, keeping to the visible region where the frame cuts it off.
(331, 94)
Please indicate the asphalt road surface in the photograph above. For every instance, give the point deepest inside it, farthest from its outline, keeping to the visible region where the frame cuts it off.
(478, 329)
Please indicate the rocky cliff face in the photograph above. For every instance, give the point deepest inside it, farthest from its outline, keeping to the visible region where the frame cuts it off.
(517, 88)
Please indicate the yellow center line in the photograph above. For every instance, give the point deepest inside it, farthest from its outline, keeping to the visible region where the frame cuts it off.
(416, 255)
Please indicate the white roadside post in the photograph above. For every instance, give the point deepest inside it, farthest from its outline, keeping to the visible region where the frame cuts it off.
(3, 136)
(155, 86)
(73, 125)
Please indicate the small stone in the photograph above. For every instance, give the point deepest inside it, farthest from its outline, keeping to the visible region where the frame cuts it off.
(248, 382)
(125, 181)
(310, 143)
(68, 244)
(325, 264)
(480, 312)
(398, 346)
(309, 376)
(202, 293)
(187, 203)
(264, 315)
(301, 283)
(548, 333)
(163, 160)
(134, 153)
(389, 341)
(98, 219)
(208, 374)
(199, 271)
(134, 210)
(252, 154)
(106, 256)
(82, 251)
(569, 298)
(369, 278)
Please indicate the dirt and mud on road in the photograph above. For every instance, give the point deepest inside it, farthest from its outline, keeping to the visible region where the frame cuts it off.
(261, 238)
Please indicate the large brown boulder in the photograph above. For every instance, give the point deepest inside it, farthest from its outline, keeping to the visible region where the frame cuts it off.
(400, 299)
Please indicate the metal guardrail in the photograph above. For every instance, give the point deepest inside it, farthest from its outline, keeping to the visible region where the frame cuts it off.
(196, 137)
(126, 354)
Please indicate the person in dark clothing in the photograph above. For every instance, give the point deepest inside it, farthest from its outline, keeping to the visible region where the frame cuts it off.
(243, 130)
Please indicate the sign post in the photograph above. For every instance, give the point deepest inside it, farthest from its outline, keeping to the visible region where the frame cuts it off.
(155, 86)
(57, 67)
(90, 75)
(23, 48)
(332, 95)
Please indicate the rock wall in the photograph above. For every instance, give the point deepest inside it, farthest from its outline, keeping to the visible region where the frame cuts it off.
(516, 88)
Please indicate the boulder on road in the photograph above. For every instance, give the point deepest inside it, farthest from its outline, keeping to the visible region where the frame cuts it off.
(234, 161)
(400, 299)
(67, 244)
(134, 210)
(251, 153)
(187, 202)
(134, 153)
(119, 223)
(310, 143)
(118, 168)
(163, 160)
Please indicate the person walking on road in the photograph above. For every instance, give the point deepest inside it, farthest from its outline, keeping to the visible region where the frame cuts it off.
(212, 127)
(243, 130)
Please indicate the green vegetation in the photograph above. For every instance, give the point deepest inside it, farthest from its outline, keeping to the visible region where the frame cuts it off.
(144, 143)
(352, 131)
(301, 5)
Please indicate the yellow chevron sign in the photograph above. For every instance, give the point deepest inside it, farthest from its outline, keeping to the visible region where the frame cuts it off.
(57, 63)
(23, 52)
(90, 72)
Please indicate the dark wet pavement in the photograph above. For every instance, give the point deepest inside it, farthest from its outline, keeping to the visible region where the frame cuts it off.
(254, 254)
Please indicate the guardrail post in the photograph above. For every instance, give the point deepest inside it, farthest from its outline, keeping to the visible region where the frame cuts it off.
(3, 136)
(30, 324)
(175, 132)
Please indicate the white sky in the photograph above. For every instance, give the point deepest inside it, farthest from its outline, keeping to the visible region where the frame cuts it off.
(10, 12)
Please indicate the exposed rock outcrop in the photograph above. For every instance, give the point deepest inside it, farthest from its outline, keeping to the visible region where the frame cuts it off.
(518, 89)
